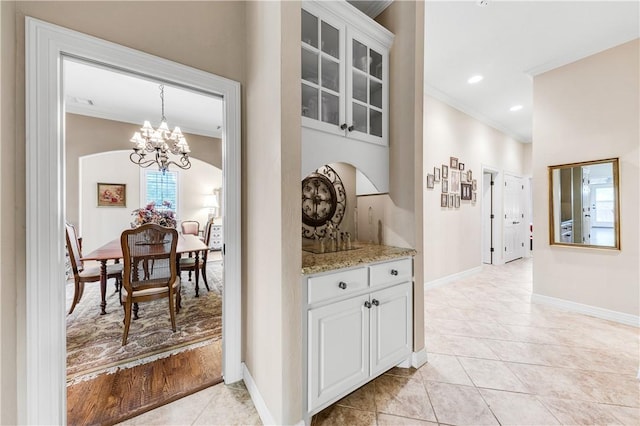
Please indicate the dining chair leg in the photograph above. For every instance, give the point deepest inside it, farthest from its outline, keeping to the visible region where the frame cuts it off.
(135, 311)
(76, 296)
(172, 313)
(204, 275)
(127, 322)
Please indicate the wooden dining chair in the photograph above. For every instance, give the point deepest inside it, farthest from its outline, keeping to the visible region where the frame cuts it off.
(190, 227)
(149, 243)
(189, 263)
(82, 274)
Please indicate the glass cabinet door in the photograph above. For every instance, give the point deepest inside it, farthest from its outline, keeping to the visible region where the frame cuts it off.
(367, 91)
(322, 71)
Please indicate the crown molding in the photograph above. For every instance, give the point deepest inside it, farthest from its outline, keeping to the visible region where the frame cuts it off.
(438, 94)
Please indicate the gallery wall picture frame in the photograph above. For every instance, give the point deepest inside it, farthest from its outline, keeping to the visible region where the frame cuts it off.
(443, 200)
(430, 180)
(460, 166)
(445, 186)
(436, 174)
(474, 185)
(465, 191)
(445, 171)
(452, 200)
(463, 177)
(469, 176)
(474, 197)
(453, 162)
(112, 194)
(455, 181)
(457, 201)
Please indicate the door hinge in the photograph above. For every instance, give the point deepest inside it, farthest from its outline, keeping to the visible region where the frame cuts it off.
(491, 249)
(492, 183)
(522, 244)
(522, 186)
(505, 216)
(505, 184)
(224, 249)
(523, 215)
(492, 217)
(505, 249)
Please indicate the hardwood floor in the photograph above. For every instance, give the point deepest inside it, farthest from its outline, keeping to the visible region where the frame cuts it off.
(112, 398)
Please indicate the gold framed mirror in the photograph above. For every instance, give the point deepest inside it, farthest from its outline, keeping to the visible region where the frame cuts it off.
(584, 204)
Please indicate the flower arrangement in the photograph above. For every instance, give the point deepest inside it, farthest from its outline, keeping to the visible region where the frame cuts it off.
(149, 214)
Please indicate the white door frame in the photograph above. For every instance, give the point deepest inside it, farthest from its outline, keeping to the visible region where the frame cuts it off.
(46, 44)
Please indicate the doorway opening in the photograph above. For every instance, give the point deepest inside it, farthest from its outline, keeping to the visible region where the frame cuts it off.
(47, 46)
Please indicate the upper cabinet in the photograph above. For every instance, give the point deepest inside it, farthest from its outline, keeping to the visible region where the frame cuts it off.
(345, 72)
(345, 90)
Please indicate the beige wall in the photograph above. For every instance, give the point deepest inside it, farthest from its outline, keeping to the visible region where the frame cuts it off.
(88, 135)
(589, 110)
(213, 41)
(403, 214)
(452, 242)
(272, 334)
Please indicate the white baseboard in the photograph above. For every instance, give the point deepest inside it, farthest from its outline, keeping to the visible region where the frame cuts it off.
(256, 397)
(450, 278)
(418, 359)
(594, 311)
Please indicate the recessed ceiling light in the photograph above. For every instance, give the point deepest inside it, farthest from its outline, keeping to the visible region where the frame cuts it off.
(475, 79)
(515, 108)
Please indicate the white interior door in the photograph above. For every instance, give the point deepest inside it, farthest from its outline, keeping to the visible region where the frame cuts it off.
(487, 218)
(514, 235)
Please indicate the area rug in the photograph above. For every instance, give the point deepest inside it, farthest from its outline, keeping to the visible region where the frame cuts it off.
(94, 340)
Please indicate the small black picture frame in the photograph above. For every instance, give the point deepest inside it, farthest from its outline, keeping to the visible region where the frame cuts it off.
(465, 191)
(460, 166)
(445, 171)
(436, 174)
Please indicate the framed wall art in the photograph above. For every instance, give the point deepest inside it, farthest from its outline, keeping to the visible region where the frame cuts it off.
(465, 191)
(469, 176)
(474, 185)
(452, 200)
(457, 201)
(455, 181)
(445, 171)
(461, 166)
(445, 186)
(443, 200)
(436, 174)
(453, 162)
(430, 180)
(112, 194)
(474, 197)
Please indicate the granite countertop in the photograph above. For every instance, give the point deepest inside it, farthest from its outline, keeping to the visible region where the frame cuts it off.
(366, 253)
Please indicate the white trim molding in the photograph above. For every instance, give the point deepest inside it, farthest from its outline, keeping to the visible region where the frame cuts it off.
(439, 282)
(46, 46)
(594, 311)
(256, 397)
(418, 359)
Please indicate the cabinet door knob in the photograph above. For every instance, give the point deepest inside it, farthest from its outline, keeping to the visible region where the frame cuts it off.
(342, 285)
(350, 128)
(343, 126)
(367, 304)
(394, 272)
(375, 302)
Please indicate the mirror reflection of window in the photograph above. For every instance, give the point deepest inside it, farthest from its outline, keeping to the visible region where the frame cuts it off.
(584, 204)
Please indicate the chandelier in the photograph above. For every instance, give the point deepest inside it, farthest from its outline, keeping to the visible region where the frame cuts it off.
(160, 142)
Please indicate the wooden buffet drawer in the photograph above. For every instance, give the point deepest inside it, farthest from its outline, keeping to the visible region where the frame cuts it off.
(336, 284)
(396, 271)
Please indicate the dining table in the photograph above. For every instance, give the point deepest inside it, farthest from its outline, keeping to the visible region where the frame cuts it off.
(113, 251)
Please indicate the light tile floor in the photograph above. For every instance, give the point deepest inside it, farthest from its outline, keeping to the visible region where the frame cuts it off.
(494, 358)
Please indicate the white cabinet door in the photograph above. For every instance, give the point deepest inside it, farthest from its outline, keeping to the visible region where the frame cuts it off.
(391, 327)
(367, 89)
(323, 85)
(338, 349)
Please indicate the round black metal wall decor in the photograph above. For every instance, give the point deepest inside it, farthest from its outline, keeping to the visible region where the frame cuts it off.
(324, 202)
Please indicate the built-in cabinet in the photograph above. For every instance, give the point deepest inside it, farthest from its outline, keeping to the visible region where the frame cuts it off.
(358, 325)
(345, 87)
(215, 242)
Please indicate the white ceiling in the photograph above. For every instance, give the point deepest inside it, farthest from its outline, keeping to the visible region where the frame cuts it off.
(510, 42)
(506, 42)
(132, 99)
